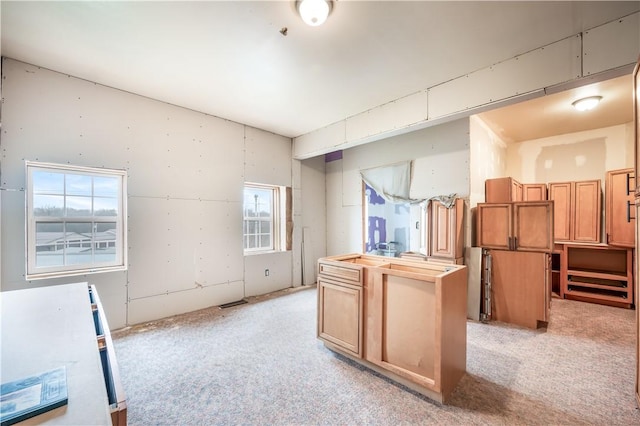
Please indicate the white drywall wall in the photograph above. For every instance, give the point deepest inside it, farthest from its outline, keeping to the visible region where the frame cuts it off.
(314, 212)
(607, 47)
(186, 172)
(574, 156)
(440, 158)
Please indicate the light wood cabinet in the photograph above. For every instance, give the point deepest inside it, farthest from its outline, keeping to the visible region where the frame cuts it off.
(412, 323)
(534, 192)
(619, 208)
(525, 226)
(502, 190)
(561, 194)
(340, 315)
(577, 210)
(340, 306)
(445, 234)
(417, 325)
(598, 274)
(520, 285)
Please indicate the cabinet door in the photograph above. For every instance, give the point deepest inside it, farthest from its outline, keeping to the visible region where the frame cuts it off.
(587, 210)
(534, 192)
(519, 287)
(560, 193)
(402, 328)
(533, 226)
(619, 206)
(493, 225)
(446, 229)
(340, 315)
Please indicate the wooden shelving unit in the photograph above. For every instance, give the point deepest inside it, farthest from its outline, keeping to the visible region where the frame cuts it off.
(598, 273)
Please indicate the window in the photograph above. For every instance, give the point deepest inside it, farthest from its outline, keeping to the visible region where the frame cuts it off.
(264, 206)
(392, 228)
(75, 220)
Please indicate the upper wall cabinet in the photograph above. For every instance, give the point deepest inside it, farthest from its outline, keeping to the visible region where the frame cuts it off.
(524, 226)
(446, 236)
(534, 191)
(507, 190)
(577, 210)
(502, 190)
(619, 208)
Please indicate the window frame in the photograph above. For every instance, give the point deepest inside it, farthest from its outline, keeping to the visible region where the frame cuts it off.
(275, 221)
(33, 271)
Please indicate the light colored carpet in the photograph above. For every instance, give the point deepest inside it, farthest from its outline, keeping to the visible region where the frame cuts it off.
(261, 364)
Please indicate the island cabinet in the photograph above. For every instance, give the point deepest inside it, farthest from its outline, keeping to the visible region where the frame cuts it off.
(619, 208)
(524, 226)
(412, 324)
(577, 210)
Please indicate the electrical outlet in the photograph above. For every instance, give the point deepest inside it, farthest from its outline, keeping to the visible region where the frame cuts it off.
(266, 272)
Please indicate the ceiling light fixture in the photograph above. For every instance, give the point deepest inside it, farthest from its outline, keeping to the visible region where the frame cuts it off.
(314, 12)
(586, 104)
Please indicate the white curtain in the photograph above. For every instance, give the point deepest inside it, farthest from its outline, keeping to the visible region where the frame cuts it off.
(391, 182)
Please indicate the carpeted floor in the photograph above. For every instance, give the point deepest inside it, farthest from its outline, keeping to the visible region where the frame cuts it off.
(261, 364)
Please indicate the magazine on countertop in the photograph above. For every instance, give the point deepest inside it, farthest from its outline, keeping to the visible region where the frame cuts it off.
(33, 395)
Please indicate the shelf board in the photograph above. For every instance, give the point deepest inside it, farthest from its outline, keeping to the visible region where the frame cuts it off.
(598, 296)
(619, 289)
(598, 274)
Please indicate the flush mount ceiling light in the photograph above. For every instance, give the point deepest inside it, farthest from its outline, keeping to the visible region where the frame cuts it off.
(586, 104)
(314, 12)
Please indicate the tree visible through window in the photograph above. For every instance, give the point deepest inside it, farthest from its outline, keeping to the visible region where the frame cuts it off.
(260, 215)
(75, 220)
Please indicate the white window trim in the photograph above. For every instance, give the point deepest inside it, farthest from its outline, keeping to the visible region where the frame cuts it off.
(277, 227)
(34, 273)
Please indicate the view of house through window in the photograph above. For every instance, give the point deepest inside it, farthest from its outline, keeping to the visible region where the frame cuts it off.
(75, 220)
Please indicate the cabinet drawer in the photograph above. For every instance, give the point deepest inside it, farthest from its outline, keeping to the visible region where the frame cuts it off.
(351, 275)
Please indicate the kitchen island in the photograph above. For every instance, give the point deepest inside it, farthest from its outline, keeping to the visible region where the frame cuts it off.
(405, 319)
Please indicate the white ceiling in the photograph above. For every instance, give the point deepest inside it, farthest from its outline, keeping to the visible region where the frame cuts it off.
(554, 114)
(229, 59)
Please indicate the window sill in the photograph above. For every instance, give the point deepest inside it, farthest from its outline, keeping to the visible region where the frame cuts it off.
(73, 273)
(255, 253)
